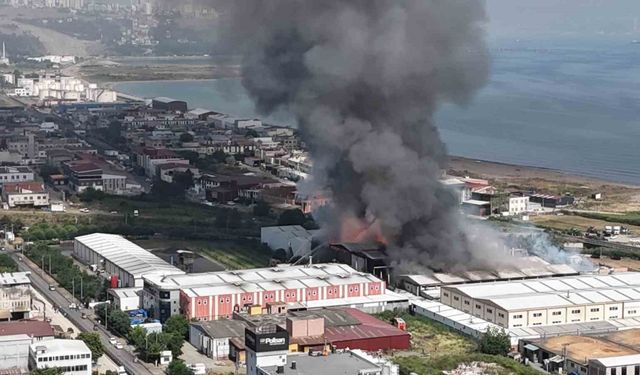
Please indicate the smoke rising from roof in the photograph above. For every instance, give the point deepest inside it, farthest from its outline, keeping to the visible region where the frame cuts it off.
(363, 78)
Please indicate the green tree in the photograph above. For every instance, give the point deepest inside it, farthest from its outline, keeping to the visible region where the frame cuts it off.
(495, 342)
(178, 367)
(186, 137)
(292, 217)
(137, 337)
(47, 371)
(119, 322)
(183, 180)
(261, 209)
(177, 324)
(222, 218)
(46, 171)
(219, 156)
(174, 343)
(7, 264)
(235, 219)
(92, 339)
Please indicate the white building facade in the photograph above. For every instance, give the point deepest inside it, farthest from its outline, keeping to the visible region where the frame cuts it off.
(73, 357)
(544, 302)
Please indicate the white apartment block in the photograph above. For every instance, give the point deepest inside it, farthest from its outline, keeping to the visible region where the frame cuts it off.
(544, 302)
(518, 205)
(72, 356)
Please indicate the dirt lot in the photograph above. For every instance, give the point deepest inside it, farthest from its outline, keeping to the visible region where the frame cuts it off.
(617, 197)
(565, 222)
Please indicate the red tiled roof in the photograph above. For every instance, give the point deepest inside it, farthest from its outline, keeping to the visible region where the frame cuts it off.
(34, 328)
(19, 187)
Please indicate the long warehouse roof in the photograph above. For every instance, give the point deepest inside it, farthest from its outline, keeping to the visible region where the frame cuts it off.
(556, 292)
(126, 255)
(322, 274)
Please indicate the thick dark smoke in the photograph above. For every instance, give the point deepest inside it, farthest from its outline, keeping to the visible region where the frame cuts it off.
(363, 78)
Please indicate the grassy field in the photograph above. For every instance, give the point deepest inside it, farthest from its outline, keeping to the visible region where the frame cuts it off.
(566, 222)
(230, 254)
(436, 348)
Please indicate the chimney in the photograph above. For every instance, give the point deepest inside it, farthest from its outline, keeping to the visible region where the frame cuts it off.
(280, 370)
(294, 365)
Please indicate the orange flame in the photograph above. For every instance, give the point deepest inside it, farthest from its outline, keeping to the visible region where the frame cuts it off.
(354, 229)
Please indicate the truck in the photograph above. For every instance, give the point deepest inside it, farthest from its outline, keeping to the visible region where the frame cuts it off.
(122, 371)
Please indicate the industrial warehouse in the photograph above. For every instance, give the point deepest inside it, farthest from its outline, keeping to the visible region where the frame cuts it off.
(557, 301)
(339, 328)
(120, 258)
(210, 296)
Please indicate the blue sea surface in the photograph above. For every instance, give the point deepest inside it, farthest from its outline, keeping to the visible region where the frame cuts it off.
(571, 106)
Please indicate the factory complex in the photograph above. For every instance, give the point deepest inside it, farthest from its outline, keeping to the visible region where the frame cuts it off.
(166, 290)
(530, 303)
(210, 296)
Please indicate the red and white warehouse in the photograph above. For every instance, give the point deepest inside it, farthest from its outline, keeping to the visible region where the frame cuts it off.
(218, 295)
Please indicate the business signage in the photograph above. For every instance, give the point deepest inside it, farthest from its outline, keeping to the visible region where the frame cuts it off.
(266, 342)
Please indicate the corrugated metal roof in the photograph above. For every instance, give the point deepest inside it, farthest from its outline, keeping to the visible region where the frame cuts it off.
(128, 256)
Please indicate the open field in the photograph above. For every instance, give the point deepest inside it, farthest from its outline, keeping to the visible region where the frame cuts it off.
(436, 348)
(229, 254)
(566, 222)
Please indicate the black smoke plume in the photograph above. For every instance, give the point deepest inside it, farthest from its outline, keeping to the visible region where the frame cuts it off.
(364, 78)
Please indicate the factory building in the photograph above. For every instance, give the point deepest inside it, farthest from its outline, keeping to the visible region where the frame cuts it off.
(125, 261)
(604, 354)
(292, 238)
(544, 302)
(309, 330)
(168, 104)
(209, 296)
(532, 267)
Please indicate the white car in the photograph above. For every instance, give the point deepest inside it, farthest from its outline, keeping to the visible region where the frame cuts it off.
(119, 346)
(113, 341)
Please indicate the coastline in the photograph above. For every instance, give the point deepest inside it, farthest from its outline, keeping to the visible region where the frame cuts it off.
(506, 171)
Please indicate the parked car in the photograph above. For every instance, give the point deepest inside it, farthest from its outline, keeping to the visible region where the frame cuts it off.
(119, 346)
(113, 341)
(52, 287)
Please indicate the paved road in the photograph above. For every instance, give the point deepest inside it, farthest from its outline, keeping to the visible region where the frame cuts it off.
(121, 357)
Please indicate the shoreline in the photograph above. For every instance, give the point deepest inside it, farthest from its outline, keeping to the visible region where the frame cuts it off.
(487, 169)
(507, 171)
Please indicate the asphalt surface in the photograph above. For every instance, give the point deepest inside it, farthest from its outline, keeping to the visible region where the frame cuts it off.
(119, 356)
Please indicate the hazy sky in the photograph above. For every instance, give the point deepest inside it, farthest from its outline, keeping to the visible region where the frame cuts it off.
(563, 18)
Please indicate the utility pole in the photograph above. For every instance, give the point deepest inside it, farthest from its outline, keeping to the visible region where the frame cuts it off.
(106, 318)
(81, 291)
(49, 264)
(73, 284)
(42, 268)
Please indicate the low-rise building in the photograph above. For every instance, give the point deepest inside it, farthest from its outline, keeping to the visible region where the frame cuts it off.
(517, 205)
(73, 357)
(125, 299)
(16, 174)
(83, 175)
(15, 295)
(18, 194)
(348, 362)
(293, 238)
(37, 330)
(14, 353)
(114, 183)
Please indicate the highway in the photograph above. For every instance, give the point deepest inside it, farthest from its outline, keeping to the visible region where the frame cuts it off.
(119, 356)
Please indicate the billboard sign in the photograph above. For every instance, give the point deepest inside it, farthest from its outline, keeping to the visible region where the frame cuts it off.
(266, 342)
